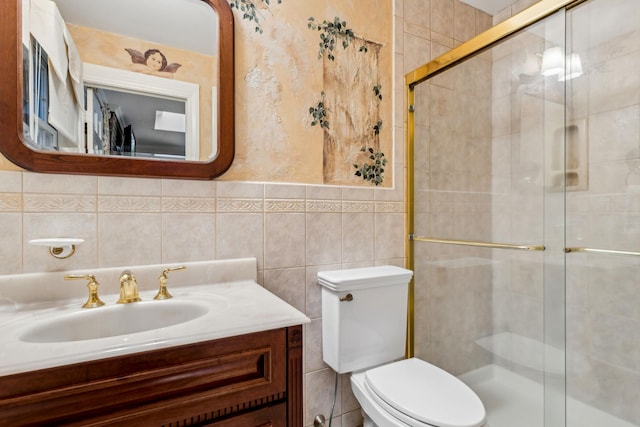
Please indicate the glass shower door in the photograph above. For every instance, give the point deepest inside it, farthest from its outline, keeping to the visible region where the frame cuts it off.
(603, 214)
(525, 219)
(488, 229)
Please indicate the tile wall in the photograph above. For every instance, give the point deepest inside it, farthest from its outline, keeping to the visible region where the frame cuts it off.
(452, 188)
(603, 291)
(523, 115)
(293, 230)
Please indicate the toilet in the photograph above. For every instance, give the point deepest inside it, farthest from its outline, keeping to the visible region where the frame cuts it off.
(364, 318)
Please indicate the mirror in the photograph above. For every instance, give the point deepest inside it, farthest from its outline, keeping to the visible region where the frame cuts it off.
(110, 69)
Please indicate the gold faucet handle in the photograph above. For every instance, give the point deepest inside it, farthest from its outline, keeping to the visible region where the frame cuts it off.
(94, 299)
(163, 293)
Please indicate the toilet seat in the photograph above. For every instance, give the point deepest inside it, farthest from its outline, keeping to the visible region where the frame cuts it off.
(420, 394)
(372, 410)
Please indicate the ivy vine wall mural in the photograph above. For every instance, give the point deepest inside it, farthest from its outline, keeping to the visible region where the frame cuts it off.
(313, 91)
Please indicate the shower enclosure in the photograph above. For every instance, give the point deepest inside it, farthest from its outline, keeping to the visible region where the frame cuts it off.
(524, 215)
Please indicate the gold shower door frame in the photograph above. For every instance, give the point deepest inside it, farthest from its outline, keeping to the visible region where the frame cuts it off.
(474, 46)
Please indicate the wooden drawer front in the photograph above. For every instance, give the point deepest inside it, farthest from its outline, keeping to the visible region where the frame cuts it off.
(217, 377)
(270, 416)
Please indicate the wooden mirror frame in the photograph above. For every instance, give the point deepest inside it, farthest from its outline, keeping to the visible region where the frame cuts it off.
(11, 134)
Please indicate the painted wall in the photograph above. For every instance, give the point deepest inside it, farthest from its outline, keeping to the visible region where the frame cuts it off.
(281, 76)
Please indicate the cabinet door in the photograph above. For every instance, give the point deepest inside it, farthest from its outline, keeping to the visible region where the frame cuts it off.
(184, 385)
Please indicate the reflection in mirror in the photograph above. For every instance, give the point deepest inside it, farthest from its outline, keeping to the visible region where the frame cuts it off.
(69, 38)
(144, 103)
(100, 79)
(130, 124)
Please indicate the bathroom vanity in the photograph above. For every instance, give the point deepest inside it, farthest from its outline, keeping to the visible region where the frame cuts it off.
(247, 380)
(237, 363)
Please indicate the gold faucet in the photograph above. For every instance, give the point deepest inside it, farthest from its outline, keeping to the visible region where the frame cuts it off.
(128, 288)
(93, 300)
(163, 293)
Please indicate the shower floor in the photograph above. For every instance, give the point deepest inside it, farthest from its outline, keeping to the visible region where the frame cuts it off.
(513, 400)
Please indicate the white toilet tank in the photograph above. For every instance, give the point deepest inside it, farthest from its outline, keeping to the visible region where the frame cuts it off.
(367, 328)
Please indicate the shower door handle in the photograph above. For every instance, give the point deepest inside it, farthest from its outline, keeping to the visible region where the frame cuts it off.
(490, 245)
(600, 251)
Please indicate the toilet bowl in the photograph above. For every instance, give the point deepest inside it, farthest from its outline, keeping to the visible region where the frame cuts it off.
(363, 329)
(414, 393)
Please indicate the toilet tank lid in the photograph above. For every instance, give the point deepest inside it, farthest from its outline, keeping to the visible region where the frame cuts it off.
(361, 278)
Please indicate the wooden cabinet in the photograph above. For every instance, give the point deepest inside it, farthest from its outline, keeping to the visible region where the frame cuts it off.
(247, 380)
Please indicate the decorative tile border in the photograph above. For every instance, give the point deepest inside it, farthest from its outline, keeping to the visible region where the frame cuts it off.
(331, 206)
(30, 202)
(240, 205)
(128, 204)
(284, 205)
(358, 207)
(188, 204)
(10, 202)
(59, 203)
(390, 207)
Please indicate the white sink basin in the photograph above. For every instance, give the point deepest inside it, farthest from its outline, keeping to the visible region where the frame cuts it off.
(114, 320)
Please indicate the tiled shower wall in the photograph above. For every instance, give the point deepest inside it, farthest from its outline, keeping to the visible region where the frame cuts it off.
(603, 291)
(602, 318)
(478, 177)
(453, 171)
(452, 188)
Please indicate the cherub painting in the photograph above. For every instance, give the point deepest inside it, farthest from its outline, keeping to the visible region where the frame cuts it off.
(152, 62)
